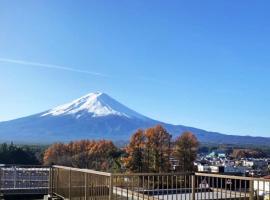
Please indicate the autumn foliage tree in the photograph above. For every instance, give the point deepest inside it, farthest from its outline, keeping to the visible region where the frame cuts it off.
(157, 149)
(149, 151)
(135, 150)
(185, 150)
(247, 153)
(89, 154)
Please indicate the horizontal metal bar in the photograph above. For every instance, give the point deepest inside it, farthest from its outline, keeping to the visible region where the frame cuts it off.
(82, 170)
(25, 166)
(231, 177)
(153, 174)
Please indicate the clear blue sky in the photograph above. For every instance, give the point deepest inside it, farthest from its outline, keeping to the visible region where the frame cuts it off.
(198, 63)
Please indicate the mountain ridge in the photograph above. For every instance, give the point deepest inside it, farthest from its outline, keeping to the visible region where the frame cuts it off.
(97, 116)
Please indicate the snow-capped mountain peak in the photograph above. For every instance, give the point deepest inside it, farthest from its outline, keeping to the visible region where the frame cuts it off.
(86, 118)
(95, 104)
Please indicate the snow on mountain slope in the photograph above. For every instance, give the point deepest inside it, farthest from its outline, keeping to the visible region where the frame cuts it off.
(95, 104)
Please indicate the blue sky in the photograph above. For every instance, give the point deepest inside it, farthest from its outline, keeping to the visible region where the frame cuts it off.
(198, 63)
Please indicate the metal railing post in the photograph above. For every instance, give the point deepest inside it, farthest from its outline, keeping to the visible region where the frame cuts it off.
(251, 190)
(14, 177)
(0, 179)
(110, 187)
(69, 185)
(193, 185)
(85, 186)
(57, 176)
(50, 182)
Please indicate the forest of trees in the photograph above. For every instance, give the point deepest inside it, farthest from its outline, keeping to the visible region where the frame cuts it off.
(248, 153)
(98, 155)
(148, 150)
(25, 155)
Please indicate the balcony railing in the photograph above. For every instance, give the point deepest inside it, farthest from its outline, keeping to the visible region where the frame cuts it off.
(24, 179)
(73, 183)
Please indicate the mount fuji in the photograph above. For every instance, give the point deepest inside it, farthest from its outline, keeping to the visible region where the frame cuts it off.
(98, 116)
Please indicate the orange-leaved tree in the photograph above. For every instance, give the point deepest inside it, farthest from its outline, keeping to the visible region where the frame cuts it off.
(158, 151)
(149, 151)
(185, 150)
(98, 155)
(135, 149)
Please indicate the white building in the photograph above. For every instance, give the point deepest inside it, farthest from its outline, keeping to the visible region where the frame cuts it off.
(204, 168)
